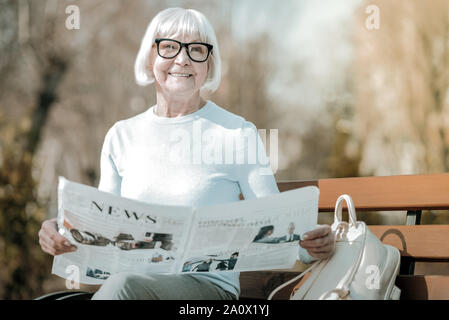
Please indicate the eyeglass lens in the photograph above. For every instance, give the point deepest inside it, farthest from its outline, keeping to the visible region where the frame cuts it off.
(169, 49)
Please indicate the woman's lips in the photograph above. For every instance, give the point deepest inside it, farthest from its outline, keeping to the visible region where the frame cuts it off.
(180, 75)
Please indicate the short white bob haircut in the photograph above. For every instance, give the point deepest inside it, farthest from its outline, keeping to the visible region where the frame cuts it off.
(173, 22)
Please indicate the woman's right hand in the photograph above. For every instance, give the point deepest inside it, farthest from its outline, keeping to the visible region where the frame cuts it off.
(51, 241)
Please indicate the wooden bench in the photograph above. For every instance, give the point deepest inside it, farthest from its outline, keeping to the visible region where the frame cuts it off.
(416, 242)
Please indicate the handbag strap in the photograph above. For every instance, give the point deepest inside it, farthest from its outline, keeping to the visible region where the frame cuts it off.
(339, 209)
(293, 280)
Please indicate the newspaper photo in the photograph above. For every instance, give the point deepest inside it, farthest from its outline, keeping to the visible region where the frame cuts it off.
(115, 234)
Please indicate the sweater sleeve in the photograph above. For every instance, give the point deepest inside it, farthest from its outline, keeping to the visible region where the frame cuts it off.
(256, 178)
(110, 180)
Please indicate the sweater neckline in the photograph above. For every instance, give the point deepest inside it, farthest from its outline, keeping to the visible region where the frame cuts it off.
(181, 119)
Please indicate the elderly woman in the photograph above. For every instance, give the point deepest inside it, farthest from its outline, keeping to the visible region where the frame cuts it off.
(150, 157)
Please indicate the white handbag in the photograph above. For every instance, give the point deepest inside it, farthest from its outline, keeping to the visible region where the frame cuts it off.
(361, 266)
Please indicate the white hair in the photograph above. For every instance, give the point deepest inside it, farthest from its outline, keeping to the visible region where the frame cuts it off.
(174, 22)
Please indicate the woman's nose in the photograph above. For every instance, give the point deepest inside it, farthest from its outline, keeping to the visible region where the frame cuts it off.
(182, 58)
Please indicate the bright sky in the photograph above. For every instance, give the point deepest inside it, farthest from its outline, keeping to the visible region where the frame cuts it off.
(315, 36)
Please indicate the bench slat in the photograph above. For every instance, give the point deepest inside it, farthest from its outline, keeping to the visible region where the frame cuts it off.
(404, 192)
(423, 242)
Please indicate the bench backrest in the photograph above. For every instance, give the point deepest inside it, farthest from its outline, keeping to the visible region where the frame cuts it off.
(411, 193)
(408, 192)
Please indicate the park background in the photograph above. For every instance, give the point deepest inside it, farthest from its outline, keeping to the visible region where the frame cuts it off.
(350, 96)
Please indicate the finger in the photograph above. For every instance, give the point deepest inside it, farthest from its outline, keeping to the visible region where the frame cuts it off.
(56, 245)
(325, 249)
(320, 255)
(43, 246)
(316, 243)
(319, 232)
(54, 251)
(45, 239)
(45, 242)
(50, 242)
(51, 231)
(48, 249)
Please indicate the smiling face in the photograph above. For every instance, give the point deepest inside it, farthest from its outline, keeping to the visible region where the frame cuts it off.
(178, 76)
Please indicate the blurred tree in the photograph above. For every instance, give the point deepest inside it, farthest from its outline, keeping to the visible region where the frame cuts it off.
(22, 215)
(401, 73)
(23, 265)
(344, 159)
(402, 81)
(246, 75)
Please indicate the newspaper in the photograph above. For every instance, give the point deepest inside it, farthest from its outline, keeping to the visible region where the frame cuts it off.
(114, 234)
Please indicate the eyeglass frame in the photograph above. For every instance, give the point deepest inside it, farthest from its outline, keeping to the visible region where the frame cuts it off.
(186, 45)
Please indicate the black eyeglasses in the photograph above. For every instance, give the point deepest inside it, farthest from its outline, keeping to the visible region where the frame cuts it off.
(169, 48)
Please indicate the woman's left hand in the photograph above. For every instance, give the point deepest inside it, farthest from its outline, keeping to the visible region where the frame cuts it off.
(319, 243)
